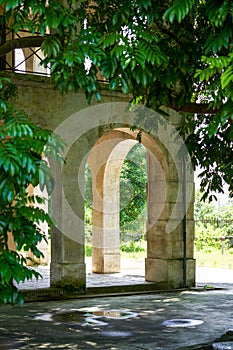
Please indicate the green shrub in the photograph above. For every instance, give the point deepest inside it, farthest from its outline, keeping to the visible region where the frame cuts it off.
(88, 250)
(207, 236)
(133, 247)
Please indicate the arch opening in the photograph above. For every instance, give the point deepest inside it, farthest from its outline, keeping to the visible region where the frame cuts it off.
(111, 202)
(98, 143)
(121, 191)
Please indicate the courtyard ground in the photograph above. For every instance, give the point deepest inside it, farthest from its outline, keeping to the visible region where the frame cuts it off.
(116, 323)
(136, 322)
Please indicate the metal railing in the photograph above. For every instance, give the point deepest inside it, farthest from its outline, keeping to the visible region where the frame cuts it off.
(26, 61)
(217, 222)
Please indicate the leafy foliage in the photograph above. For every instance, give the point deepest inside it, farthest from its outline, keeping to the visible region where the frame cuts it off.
(212, 224)
(133, 247)
(211, 150)
(203, 210)
(165, 53)
(208, 236)
(133, 181)
(22, 164)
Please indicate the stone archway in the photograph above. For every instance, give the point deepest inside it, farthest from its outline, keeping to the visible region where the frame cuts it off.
(164, 262)
(81, 127)
(102, 142)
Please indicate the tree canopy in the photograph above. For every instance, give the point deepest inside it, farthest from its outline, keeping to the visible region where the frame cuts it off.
(176, 54)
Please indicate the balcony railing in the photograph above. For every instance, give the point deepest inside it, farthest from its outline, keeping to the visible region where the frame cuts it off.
(27, 60)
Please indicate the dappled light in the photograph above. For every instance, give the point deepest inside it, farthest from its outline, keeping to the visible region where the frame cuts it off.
(168, 321)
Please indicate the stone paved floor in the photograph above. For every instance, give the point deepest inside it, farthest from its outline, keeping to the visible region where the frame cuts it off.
(118, 323)
(133, 273)
(133, 322)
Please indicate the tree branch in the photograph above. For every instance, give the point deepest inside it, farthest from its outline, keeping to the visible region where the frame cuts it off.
(194, 108)
(20, 43)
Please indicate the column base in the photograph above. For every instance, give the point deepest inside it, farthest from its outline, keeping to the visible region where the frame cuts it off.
(169, 272)
(70, 277)
(105, 263)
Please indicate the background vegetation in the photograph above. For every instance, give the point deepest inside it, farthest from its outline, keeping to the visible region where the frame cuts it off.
(214, 225)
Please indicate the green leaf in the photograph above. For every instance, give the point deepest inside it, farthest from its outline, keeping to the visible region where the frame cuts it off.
(213, 127)
(178, 10)
(11, 4)
(3, 80)
(51, 46)
(124, 86)
(115, 18)
(114, 83)
(227, 77)
(97, 96)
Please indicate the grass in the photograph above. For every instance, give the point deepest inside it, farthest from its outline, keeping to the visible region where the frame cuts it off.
(139, 256)
(204, 258)
(214, 258)
(210, 257)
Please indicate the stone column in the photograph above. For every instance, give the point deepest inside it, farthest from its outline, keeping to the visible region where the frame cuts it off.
(106, 161)
(165, 244)
(68, 269)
